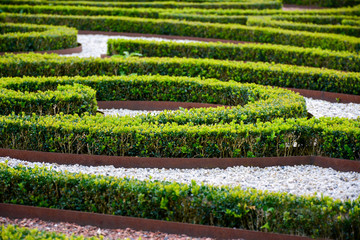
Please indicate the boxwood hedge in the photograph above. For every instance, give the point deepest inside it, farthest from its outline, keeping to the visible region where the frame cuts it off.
(324, 3)
(195, 29)
(275, 4)
(344, 61)
(30, 37)
(200, 204)
(261, 73)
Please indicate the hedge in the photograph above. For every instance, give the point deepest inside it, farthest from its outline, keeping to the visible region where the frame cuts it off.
(252, 102)
(315, 19)
(75, 99)
(351, 22)
(30, 37)
(200, 204)
(15, 232)
(337, 29)
(194, 29)
(204, 5)
(132, 12)
(260, 73)
(324, 3)
(344, 61)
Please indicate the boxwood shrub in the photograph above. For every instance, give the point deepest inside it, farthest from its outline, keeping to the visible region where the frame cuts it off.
(344, 61)
(200, 204)
(194, 29)
(324, 3)
(261, 73)
(75, 99)
(31, 37)
(275, 4)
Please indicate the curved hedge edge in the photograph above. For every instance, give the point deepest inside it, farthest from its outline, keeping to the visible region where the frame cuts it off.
(275, 4)
(76, 99)
(350, 22)
(261, 73)
(198, 204)
(333, 29)
(252, 102)
(37, 37)
(344, 61)
(195, 29)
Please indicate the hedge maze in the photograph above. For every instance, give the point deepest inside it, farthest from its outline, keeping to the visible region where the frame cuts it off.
(48, 103)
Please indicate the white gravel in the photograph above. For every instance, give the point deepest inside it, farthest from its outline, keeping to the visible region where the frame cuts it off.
(298, 180)
(318, 108)
(94, 45)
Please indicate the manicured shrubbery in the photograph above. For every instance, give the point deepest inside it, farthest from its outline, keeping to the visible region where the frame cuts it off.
(345, 61)
(75, 99)
(252, 102)
(168, 5)
(337, 29)
(200, 204)
(260, 73)
(194, 29)
(324, 3)
(30, 37)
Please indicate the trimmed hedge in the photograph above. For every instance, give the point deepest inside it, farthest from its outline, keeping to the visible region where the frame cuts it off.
(203, 5)
(30, 37)
(324, 3)
(252, 102)
(132, 12)
(75, 99)
(337, 29)
(344, 61)
(194, 29)
(200, 204)
(351, 22)
(139, 136)
(315, 19)
(15, 232)
(260, 73)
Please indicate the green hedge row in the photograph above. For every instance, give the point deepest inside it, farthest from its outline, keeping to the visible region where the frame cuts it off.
(337, 29)
(315, 19)
(323, 3)
(15, 232)
(194, 29)
(344, 61)
(261, 73)
(143, 137)
(132, 12)
(351, 22)
(30, 37)
(75, 99)
(200, 204)
(203, 5)
(252, 102)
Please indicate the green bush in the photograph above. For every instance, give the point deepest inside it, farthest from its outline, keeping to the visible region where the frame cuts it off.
(252, 102)
(337, 29)
(261, 73)
(194, 29)
(30, 37)
(75, 99)
(351, 22)
(15, 232)
(203, 5)
(200, 204)
(344, 61)
(324, 3)
(315, 19)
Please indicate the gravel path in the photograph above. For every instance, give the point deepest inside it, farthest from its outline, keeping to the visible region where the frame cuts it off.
(91, 231)
(298, 180)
